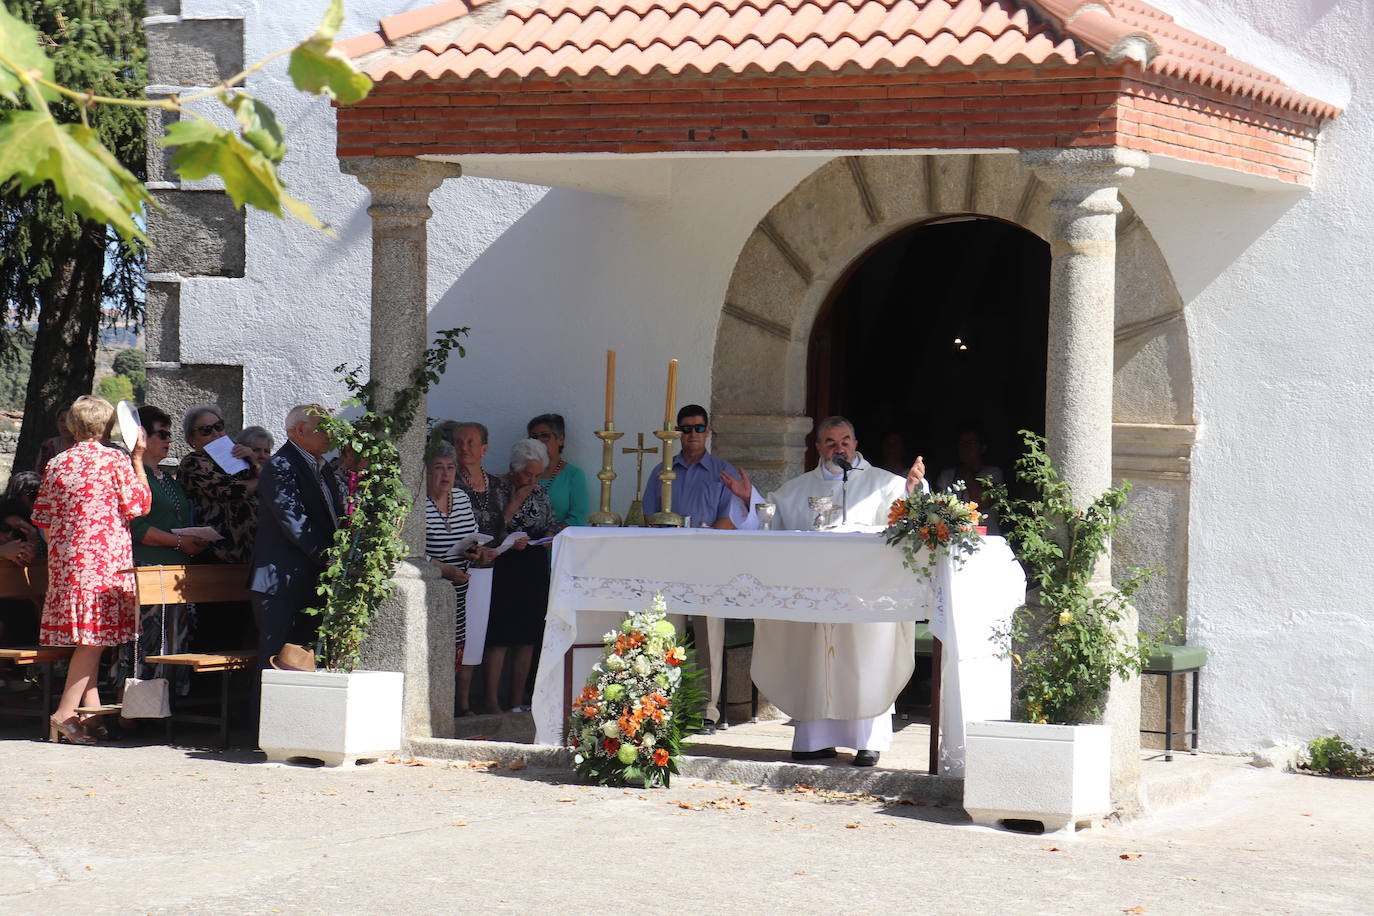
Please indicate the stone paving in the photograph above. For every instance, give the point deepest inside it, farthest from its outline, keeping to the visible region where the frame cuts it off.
(157, 829)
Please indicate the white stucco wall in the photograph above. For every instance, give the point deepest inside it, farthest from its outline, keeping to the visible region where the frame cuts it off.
(1276, 285)
(1277, 290)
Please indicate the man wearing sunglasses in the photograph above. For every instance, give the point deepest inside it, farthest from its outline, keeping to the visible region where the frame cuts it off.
(699, 493)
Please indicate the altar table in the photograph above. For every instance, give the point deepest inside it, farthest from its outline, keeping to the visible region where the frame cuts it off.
(820, 577)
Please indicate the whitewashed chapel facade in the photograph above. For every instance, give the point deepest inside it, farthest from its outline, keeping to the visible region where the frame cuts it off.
(1236, 376)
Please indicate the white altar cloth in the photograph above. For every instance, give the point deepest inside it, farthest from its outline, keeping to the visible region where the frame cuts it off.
(787, 575)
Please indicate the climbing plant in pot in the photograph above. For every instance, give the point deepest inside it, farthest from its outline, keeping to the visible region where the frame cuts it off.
(338, 714)
(1066, 644)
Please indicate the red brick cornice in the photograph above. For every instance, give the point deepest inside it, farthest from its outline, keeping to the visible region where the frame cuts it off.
(1021, 108)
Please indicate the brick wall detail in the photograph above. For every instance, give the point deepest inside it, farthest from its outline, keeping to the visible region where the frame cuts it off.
(1014, 109)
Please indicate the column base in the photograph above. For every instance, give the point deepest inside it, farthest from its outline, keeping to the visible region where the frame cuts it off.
(414, 632)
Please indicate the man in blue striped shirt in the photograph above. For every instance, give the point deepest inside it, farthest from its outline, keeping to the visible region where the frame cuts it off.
(701, 494)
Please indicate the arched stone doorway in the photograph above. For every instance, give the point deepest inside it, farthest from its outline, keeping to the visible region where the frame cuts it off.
(811, 240)
(941, 325)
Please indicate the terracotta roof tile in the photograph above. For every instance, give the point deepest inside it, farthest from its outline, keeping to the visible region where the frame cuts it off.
(645, 37)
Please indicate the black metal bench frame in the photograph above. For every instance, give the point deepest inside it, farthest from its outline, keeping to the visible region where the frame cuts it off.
(1168, 732)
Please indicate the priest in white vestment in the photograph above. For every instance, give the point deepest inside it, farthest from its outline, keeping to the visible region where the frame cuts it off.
(837, 681)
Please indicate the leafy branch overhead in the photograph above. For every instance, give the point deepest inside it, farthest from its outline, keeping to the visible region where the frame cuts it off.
(35, 148)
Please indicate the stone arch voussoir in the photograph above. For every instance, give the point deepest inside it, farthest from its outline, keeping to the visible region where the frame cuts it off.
(813, 236)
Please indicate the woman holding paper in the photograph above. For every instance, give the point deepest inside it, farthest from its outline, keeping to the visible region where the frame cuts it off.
(221, 479)
(449, 520)
(89, 494)
(157, 543)
(520, 586)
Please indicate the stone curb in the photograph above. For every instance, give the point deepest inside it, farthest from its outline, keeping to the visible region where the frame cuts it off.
(773, 774)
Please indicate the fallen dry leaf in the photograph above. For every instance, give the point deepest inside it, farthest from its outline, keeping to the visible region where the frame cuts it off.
(517, 764)
(1135, 909)
(1130, 855)
(563, 799)
(911, 801)
(851, 826)
(483, 764)
(1050, 848)
(458, 824)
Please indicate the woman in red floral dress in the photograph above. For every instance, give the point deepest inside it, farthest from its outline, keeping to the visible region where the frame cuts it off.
(89, 494)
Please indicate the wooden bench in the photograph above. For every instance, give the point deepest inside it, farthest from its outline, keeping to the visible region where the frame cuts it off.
(176, 584)
(44, 657)
(222, 663)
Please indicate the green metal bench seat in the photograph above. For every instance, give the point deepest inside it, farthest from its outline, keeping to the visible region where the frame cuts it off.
(1168, 662)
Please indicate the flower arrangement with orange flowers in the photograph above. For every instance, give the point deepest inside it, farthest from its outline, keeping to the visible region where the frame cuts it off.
(641, 699)
(938, 524)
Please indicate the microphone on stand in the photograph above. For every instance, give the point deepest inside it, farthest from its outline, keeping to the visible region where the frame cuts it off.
(841, 462)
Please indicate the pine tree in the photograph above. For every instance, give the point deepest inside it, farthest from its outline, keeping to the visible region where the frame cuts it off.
(56, 270)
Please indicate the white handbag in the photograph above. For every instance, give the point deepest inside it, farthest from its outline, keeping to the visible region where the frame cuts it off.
(146, 699)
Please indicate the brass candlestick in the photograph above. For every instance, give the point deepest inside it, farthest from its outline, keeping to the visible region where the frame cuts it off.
(634, 518)
(604, 517)
(666, 517)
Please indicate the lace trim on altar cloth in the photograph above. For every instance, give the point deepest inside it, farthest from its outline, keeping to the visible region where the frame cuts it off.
(746, 591)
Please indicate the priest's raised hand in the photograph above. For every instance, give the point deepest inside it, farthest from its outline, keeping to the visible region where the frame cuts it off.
(740, 486)
(915, 475)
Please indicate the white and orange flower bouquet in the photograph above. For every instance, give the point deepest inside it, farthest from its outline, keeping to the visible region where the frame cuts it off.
(642, 698)
(936, 524)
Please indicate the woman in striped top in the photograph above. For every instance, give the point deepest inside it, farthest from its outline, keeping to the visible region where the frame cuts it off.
(448, 519)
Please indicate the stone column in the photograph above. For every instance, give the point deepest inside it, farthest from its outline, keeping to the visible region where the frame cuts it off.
(413, 632)
(771, 448)
(1078, 379)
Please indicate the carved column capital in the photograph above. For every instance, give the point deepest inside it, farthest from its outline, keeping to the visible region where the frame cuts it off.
(1085, 181)
(400, 185)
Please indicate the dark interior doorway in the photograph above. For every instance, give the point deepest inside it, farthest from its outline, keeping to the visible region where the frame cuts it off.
(940, 326)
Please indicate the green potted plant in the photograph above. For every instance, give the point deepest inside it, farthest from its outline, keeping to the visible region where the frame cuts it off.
(338, 714)
(1066, 643)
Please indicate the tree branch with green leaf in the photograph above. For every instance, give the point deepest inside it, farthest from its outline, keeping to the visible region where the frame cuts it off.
(35, 147)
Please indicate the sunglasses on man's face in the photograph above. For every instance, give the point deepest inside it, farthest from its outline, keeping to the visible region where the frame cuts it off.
(208, 428)
(692, 428)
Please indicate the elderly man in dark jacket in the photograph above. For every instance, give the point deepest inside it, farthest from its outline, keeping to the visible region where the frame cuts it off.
(300, 505)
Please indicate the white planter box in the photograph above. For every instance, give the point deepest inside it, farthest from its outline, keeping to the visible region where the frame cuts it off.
(329, 716)
(1056, 774)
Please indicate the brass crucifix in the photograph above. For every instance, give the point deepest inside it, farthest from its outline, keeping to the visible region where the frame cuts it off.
(634, 518)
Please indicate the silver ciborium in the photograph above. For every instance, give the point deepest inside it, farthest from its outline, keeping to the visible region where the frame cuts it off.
(824, 507)
(765, 512)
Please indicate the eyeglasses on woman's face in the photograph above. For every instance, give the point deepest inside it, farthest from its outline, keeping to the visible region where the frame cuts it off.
(208, 428)
(162, 433)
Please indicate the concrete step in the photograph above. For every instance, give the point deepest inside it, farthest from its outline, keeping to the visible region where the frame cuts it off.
(888, 783)
(1167, 784)
(516, 727)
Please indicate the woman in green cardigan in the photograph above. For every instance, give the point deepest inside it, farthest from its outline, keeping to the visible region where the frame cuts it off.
(157, 544)
(565, 483)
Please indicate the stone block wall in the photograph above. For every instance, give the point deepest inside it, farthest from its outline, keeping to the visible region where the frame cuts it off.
(194, 232)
